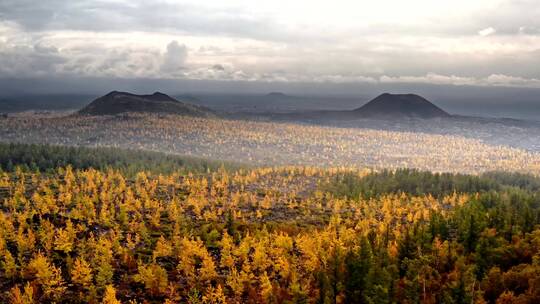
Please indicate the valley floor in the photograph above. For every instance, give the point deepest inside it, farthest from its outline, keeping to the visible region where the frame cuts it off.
(272, 143)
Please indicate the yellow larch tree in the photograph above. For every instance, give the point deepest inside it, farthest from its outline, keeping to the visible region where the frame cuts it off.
(154, 278)
(109, 296)
(214, 296)
(46, 275)
(227, 258)
(81, 273)
(22, 297)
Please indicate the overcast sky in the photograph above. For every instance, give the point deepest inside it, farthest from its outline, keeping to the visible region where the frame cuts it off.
(459, 42)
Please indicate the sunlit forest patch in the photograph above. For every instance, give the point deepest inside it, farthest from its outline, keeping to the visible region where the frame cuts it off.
(267, 143)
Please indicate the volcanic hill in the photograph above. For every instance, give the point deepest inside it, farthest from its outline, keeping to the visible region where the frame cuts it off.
(121, 102)
(400, 105)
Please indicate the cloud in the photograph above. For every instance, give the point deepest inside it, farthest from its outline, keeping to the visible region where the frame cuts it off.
(342, 41)
(431, 78)
(510, 16)
(173, 17)
(487, 31)
(218, 67)
(529, 30)
(174, 59)
(498, 80)
(28, 61)
(511, 81)
(270, 20)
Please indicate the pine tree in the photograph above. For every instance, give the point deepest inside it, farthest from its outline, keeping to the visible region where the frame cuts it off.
(153, 277)
(358, 268)
(214, 296)
(266, 288)
(47, 276)
(227, 258)
(9, 265)
(109, 296)
(81, 273)
(24, 297)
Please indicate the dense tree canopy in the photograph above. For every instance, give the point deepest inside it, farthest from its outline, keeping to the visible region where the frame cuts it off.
(48, 157)
(269, 235)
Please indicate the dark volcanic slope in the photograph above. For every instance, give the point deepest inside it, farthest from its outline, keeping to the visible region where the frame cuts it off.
(121, 102)
(400, 105)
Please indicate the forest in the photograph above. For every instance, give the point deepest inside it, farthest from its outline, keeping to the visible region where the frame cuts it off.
(45, 158)
(269, 143)
(91, 231)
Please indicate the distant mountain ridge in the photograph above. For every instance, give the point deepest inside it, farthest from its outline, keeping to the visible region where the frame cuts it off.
(400, 105)
(384, 106)
(121, 102)
(277, 94)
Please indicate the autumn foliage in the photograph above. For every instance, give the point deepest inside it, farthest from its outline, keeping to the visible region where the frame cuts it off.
(268, 235)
